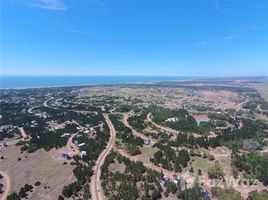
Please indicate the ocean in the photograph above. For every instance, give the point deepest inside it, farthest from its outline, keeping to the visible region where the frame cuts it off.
(18, 82)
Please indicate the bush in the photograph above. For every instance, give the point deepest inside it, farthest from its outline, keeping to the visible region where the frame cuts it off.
(37, 183)
(216, 171)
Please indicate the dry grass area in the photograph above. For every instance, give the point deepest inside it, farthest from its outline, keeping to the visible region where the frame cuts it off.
(262, 89)
(117, 167)
(167, 97)
(223, 155)
(148, 152)
(223, 99)
(37, 166)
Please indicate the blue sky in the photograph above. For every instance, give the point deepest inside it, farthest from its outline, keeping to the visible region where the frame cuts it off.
(134, 37)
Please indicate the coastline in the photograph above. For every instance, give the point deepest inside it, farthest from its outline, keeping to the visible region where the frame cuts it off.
(91, 81)
(114, 80)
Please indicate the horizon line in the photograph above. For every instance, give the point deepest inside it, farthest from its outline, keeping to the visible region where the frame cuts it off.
(135, 75)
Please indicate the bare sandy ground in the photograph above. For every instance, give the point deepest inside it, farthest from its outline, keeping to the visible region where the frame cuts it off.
(72, 148)
(37, 166)
(24, 134)
(7, 184)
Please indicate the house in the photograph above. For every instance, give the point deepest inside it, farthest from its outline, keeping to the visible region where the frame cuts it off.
(82, 154)
(80, 145)
(65, 134)
(146, 142)
(172, 119)
(201, 118)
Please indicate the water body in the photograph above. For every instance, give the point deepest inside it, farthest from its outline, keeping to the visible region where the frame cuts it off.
(18, 82)
(12, 82)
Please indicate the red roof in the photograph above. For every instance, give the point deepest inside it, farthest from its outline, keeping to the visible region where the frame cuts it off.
(198, 117)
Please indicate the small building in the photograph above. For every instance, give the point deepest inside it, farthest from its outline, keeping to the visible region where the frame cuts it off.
(65, 135)
(164, 178)
(82, 144)
(172, 119)
(82, 154)
(146, 142)
(201, 118)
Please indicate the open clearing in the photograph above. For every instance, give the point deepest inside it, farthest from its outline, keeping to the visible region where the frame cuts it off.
(37, 166)
(262, 89)
(201, 163)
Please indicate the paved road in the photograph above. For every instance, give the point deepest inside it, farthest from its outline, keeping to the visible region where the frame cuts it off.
(95, 185)
(7, 184)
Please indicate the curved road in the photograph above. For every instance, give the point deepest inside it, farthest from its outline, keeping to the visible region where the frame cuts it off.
(164, 128)
(95, 185)
(72, 148)
(136, 133)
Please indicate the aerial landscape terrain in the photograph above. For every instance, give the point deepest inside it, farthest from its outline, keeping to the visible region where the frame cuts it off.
(160, 140)
(133, 99)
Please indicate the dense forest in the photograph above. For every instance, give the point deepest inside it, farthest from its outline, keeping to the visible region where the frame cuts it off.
(252, 164)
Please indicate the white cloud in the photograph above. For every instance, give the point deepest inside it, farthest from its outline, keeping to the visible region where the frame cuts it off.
(49, 4)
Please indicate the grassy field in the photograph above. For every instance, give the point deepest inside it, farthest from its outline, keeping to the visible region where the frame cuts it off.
(37, 166)
(201, 163)
(263, 90)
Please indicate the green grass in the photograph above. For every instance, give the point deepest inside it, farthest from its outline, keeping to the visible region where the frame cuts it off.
(200, 163)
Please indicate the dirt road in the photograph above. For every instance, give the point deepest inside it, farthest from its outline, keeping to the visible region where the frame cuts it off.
(6, 182)
(24, 135)
(164, 128)
(72, 148)
(167, 129)
(95, 185)
(136, 133)
(46, 101)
